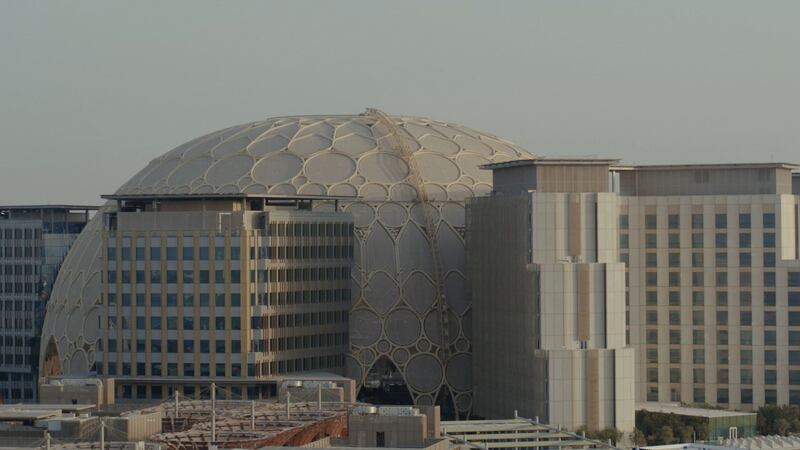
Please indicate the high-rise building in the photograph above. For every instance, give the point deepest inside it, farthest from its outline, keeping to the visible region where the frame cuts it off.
(34, 239)
(713, 282)
(548, 293)
(240, 289)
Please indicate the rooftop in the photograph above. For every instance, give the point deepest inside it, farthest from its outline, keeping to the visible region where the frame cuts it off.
(553, 161)
(721, 166)
(232, 196)
(674, 408)
(54, 206)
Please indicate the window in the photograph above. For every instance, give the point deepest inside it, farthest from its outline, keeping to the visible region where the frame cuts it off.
(746, 318)
(722, 279)
(769, 259)
(721, 221)
(380, 439)
(675, 279)
(747, 396)
(722, 337)
(769, 240)
(651, 317)
(770, 319)
(698, 356)
(721, 259)
(721, 240)
(771, 339)
(699, 376)
(623, 222)
(651, 298)
(722, 317)
(697, 259)
(745, 259)
(651, 260)
(673, 221)
(674, 259)
(745, 298)
(722, 298)
(746, 357)
(698, 298)
(698, 317)
(746, 337)
(650, 221)
(674, 317)
(770, 376)
(674, 375)
(744, 240)
(722, 396)
(770, 357)
(769, 220)
(697, 221)
(674, 240)
(650, 240)
(794, 298)
(722, 376)
(652, 375)
(651, 279)
(794, 337)
(698, 338)
(793, 279)
(674, 337)
(623, 241)
(697, 279)
(771, 396)
(744, 220)
(699, 395)
(697, 240)
(794, 318)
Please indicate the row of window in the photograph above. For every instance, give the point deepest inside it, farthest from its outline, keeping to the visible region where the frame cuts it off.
(298, 320)
(698, 279)
(171, 323)
(303, 297)
(141, 346)
(697, 221)
(745, 298)
(698, 240)
(187, 300)
(157, 276)
(698, 259)
(299, 342)
(16, 234)
(310, 229)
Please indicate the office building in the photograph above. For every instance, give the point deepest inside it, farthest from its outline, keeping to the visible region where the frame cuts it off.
(241, 289)
(408, 276)
(714, 282)
(548, 295)
(34, 239)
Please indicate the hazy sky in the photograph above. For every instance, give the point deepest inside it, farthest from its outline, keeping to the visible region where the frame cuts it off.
(90, 91)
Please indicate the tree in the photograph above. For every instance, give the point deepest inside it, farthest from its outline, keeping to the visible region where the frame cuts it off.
(665, 435)
(637, 438)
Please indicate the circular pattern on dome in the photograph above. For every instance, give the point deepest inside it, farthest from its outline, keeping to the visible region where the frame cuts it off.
(363, 214)
(308, 145)
(276, 168)
(343, 190)
(366, 356)
(473, 145)
(383, 346)
(381, 292)
(366, 328)
(402, 327)
(229, 169)
(329, 168)
(436, 168)
(268, 145)
(419, 292)
(464, 402)
(392, 214)
(382, 167)
(454, 214)
(424, 373)
(374, 192)
(354, 144)
(400, 356)
(190, 170)
(433, 327)
(459, 372)
(471, 165)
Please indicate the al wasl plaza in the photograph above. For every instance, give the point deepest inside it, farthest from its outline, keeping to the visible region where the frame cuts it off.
(428, 263)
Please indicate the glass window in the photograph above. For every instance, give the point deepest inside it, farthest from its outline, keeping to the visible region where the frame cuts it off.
(651, 260)
(722, 337)
(674, 240)
(722, 279)
(651, 298)
(794, 357)
(722, 396)
(697, 221)
(721, 220)
(650, 221)
(744, 220)
(793, 279)
(623, 222)
(770, 357)
(673, 221)
(769, 259)
(769, 240)
(698, 317)
(699, 376)
(697, 259)
(794, 318)
(769, 318)
(746, 357)
(188, 253)
(674, 298)
(722, 317)
(745, 259)
(771, 396)
(721, 259)
(674, 317)
(744, 240)
(674, 259)
(794, 337)
(746, 318)
(769, 220)
(769, 298)
(698, 338)
(675, 279)
(770, 337)
(770, 376)
(697, 240)
(745, 298)
(697, 279)
(721, 240)
(722, 357)
(698, 356)
(698, 298)
(769, 279)
(650, 240)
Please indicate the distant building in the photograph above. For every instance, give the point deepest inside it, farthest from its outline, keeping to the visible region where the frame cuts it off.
(240, 289)
(718, 423)
(548, 295)
(34, 239)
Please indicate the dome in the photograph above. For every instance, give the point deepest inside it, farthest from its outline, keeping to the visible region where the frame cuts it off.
(393, 315)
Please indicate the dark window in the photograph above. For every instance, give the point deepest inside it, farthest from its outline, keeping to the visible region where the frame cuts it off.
(744, 220)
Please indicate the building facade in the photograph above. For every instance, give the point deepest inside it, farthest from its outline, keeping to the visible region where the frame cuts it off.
(548, 292)
(713, 283)
(34, 239)
(236, 289)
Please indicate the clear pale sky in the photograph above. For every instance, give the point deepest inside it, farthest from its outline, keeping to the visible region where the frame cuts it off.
(90, 91)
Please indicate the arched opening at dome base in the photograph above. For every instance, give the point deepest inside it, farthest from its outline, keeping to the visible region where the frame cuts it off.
(51, 363)
(384, 385)
(444, 400)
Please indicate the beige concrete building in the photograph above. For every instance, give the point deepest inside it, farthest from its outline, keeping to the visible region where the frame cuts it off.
(713, 283)
(237, 289)
(548, 294)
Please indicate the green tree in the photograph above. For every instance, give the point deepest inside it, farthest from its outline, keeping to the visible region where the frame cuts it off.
(638, 438)
(665, 435)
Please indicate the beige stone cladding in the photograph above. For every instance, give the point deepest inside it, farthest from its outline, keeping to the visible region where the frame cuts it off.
(714, 307)
(548, 293)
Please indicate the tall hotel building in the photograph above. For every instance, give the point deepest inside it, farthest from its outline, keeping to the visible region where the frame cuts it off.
(238, 289)
(713, 283)
(34, 239)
